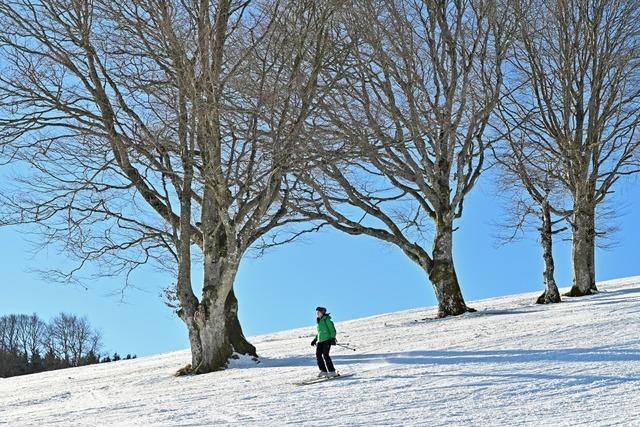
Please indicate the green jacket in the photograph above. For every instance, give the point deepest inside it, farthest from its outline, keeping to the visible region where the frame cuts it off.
(326, 330)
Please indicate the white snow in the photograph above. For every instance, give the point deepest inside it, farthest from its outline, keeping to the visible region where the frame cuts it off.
(512, 364)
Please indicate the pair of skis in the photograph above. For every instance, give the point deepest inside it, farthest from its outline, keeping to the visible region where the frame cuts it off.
(322, 379)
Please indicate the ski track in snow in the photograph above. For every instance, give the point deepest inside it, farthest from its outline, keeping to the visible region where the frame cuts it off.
(513, 363)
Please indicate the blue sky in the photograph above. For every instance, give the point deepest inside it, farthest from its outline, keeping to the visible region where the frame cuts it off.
(352, 276)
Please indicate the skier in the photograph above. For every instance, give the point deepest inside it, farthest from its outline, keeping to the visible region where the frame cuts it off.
(324, 339)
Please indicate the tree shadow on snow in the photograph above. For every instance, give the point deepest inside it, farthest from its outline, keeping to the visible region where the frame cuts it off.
(446, 357)
(480, 357)
(574, 380)
(619, 292)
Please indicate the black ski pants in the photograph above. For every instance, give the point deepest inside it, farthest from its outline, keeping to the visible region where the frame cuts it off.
(322, 355)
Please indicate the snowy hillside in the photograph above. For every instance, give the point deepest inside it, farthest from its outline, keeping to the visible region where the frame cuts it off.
(512, 363)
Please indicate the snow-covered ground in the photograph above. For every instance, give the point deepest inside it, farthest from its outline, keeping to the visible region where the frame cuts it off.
(511, 364)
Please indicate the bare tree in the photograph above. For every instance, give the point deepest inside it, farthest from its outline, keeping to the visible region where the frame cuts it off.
(403, 137)
(72, 339)
(21, 333)
(576, 99)
(530, 183)
(9, 332)
(31, 333)
(156, 126)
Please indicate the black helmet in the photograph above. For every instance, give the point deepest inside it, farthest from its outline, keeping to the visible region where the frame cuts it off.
(321, 310)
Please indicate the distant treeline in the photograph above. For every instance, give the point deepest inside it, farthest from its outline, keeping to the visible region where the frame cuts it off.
(29, 345)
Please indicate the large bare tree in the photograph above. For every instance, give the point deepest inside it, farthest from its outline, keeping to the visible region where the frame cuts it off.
(403, 136)
(576, 98)
(162, 130)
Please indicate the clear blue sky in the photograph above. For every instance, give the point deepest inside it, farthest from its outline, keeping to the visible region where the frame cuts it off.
(352, 276)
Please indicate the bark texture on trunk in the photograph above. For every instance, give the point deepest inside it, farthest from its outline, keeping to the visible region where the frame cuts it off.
(234, 330)
(443, 275)
(583, 249)
(214, 331)
(551, 293)
(209, 331)
(592, 255)
(211, 338)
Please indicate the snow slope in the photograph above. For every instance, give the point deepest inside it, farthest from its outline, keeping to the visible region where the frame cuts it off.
(513, 363)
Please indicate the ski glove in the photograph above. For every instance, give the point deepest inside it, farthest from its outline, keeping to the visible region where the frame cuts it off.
(315, 340)
(333, 341)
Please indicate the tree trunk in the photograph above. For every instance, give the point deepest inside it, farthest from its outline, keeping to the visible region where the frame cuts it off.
(211, 338)
(583, 249)
(443, 275)
(215, 333)
(551, 293)
(214, 328)
(592, 255)
(208, 325)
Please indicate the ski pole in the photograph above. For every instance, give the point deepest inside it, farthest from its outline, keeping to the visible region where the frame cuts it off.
(345, 346)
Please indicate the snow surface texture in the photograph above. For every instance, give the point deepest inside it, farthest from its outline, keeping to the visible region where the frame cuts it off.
(511, 364)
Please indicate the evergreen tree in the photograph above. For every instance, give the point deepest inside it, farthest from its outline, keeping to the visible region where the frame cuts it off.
(51, 362)
(37, 363)
(92, 358)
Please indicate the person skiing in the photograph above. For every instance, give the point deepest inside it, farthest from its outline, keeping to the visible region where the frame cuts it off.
(323, 341)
